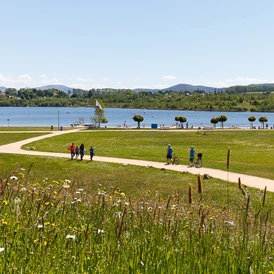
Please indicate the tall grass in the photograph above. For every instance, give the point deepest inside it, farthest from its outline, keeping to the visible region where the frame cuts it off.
(56, 227)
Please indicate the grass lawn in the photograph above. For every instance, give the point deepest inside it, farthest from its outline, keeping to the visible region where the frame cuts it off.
(252, 151)
(14, 128)
(6, 138)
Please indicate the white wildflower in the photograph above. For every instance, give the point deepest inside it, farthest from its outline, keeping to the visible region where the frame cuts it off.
(17, 200)
(100, 231)
(2, 249)
(13, 178)
(231, 223)
(71, 237)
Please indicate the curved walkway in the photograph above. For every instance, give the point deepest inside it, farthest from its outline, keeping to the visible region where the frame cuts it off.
(251, 181)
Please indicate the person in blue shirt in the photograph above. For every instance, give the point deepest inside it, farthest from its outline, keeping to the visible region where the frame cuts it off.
(91, 152)
(191, 156)
(169, 154)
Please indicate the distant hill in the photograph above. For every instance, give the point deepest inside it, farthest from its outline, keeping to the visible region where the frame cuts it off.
(266, 84)
(186, 87)
(183, 87)
(145, 89)
(59, 87)
(179, 87)
(2, 89)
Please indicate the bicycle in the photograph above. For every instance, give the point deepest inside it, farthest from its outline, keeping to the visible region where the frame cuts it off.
(175, 160)
(199, 162)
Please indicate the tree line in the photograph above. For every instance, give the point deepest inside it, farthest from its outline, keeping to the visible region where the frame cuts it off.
(126, 98)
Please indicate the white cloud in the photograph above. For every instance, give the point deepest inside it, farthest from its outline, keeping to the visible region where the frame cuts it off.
(45, 80)
(238, 81)
(106, 79)
(24, 78)
(80, 86)
(169, 77)
(17, 82)
(246, 80)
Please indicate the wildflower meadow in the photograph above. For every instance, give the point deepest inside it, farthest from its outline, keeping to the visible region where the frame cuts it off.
(53, 226)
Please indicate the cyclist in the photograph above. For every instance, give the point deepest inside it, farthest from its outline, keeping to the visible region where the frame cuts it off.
(191, 156)
(169, 154)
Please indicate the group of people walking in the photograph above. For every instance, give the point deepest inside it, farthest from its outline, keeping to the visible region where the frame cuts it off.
(76, 151)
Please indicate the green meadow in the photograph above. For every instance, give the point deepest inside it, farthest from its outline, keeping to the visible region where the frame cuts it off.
(66, 216)
(252, 151)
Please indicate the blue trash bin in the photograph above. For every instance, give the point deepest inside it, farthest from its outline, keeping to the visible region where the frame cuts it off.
(61, 128)
(154, 125)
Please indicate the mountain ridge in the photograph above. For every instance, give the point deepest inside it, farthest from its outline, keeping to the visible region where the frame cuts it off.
(178, 87)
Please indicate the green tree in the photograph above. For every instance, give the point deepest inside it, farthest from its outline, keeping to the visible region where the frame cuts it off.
(222, 119)
(99, 114)
(11, 92)
(182, 120)
(177, 120)
(214, 121)
(138, 118)
(263, 120)
(251, 119)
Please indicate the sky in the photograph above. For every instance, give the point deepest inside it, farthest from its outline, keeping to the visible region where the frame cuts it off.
(136, 43)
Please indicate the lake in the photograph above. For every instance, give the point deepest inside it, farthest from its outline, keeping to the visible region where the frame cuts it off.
(56, 116)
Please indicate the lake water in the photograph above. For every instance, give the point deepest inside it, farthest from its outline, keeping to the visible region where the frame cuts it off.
(47, 116)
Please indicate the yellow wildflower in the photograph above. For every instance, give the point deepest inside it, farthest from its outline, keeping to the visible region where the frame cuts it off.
(22, 175)
(3, 222)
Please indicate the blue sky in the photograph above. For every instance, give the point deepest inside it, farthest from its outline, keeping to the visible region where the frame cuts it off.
(132, 44)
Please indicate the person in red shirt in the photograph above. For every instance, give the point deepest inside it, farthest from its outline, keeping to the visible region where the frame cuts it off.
(72, 150)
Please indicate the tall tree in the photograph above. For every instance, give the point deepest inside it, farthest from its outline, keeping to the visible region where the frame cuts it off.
(182, 120)
(214, 121)
(263, 120)
(251, 119)
(138, 118)
(222, 119)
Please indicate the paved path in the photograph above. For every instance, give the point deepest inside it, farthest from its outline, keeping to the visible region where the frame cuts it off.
(251, 181)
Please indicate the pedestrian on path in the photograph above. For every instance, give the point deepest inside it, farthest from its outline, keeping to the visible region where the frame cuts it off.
(72, 150)
(77, 152)
(82, 151)
(91, 152)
